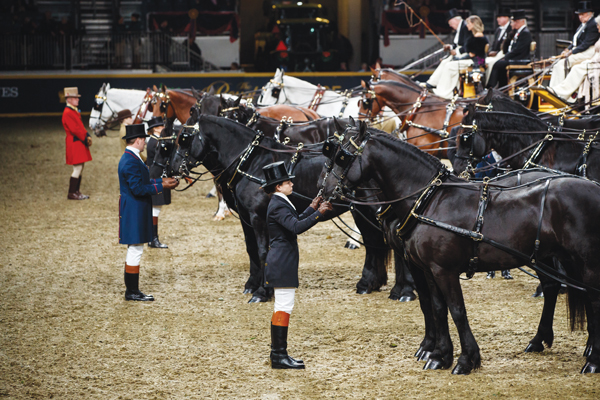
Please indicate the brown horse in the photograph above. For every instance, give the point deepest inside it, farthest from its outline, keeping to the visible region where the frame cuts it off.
(426, 118)
(176, 103)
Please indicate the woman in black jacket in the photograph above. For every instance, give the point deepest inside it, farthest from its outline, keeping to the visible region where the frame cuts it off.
(281, 267)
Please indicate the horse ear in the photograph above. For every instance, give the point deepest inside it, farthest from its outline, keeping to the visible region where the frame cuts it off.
(223, 101)
(195, 93)
(236, 103)
(352, 121)
(489, 96)
(338, 126)
(363, 83)
(362, 128)
(154, 88)
(164, 88)
(377, 66)
(107, 87)
(211, 91)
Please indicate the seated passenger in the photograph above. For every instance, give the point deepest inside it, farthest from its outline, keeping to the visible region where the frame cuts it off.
(474, 50)
(495, 53)
(462, 34)
(582, 48)
(578, 73)
(515, 47)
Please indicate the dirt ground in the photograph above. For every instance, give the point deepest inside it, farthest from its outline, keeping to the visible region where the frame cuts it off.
(66, 331)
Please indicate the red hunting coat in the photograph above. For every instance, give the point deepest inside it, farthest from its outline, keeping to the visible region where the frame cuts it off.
(77, 149)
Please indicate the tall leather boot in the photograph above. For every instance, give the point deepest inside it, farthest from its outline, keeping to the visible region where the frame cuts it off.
(132, 279)
(279, 356)
(73, 195)
(83, 196)
(155, 242)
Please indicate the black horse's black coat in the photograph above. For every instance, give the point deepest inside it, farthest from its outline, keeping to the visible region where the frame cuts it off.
(568, 232)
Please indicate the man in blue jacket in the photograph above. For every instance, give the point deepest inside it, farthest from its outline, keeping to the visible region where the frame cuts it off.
(135, 206)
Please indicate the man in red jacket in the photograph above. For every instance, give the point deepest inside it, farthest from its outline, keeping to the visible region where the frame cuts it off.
(77, 142)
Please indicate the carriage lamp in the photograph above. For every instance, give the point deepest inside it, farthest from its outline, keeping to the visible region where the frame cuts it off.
(523, 95)
(476, 77)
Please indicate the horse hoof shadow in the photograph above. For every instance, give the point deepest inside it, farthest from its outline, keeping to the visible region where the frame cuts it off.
(534, 348)
(590, 368)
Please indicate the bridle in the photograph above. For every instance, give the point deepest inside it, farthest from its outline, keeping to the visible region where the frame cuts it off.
(329, 150)
(367, 103)
(471, 159)
(344, 158)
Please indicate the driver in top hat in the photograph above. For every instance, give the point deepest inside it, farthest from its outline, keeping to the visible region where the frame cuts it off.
(281, 267)
(135, 206)
(582, 46)
(460, 39)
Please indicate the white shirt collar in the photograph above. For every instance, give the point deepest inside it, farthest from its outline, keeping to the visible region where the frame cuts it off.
(505, 26)
(284, 197)
(458, 32)
(135, 151)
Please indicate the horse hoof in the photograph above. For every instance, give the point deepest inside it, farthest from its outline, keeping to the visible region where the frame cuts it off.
(433, 364)
(351, 246)
(534, 348)
(590, 368)
(227, 213)
(588, 351)
(419, 352)
(362, 291)
(407, 298)
(538, 294)
(257, 299)
(424, 356)
(218, 218)
(461, 370)
(247, 291)
(210, 195)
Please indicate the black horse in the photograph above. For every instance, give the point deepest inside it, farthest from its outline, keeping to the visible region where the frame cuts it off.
(529, 224)
(525, 140)
(219, 144)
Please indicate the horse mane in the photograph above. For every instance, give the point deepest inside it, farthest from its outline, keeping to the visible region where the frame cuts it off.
(400, 85)
(404, 78)
(410, 148)
(182, 91)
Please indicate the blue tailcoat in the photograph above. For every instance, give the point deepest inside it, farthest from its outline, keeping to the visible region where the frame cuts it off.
(135, 202)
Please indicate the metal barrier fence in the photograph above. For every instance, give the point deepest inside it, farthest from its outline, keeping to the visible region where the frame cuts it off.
(144, 51)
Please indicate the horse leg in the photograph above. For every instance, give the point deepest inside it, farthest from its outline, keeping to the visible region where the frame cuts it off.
(590, 327)
(405, 285)
(449, 284)
(352, 242)
(262, 294)
(374, 274)
(442, 356)
(223, 210)
(428, 343)
(545, 332)
(255, 279)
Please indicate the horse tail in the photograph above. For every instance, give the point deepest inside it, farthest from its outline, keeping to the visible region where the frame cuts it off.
(576, 300)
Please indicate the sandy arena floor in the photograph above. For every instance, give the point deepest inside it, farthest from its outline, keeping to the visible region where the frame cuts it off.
(66, 331)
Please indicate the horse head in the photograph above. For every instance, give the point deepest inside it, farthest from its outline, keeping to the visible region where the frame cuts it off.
(189, 148)
(96, 122)
(272, 90)
(369, 105)
(232, 109)
(339, 176)
(471, 146)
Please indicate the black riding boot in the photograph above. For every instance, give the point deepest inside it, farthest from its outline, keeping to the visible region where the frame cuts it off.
(279, 356)
(491, 275)
(132, 284)
(155, 242)
(506, 274)
(83, 196)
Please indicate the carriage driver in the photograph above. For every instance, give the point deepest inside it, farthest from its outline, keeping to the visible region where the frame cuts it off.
(582, 47)
(135, 206)
(281, 267)
(78, 142)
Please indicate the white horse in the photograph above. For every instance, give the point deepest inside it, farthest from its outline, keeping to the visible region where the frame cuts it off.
(110, 101)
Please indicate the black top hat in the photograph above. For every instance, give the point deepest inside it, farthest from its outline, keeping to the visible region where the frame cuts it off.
(275, 173)
(134, 131)
(453, 12)
(504, 12)
(518, 14)
(155, 121)
(584, 6)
